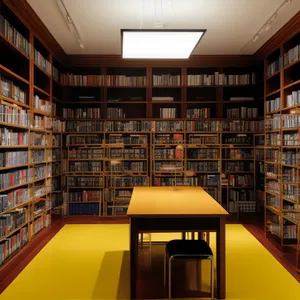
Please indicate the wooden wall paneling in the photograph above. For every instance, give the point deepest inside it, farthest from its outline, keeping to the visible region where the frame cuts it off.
(194, 61)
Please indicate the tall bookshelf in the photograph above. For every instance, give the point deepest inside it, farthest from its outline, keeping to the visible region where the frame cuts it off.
(183, 124)
(282, 156)
(26, 135)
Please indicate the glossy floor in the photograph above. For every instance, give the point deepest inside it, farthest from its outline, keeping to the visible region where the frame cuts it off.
(92, 262)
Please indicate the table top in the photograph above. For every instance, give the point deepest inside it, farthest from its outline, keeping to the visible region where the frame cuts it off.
(177, 201)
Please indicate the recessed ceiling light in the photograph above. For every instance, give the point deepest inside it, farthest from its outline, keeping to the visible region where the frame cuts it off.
(159, 43)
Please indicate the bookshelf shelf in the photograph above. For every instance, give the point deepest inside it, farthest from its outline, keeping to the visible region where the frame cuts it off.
(291, 65)
(12, 75)
(14, 101)
(42, 91)
(291, 85)
(273, 93)
(274, 74)
(41, 70)
(12, 232)
(13, 47)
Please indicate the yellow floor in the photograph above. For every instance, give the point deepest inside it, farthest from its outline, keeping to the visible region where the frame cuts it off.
(85, 261)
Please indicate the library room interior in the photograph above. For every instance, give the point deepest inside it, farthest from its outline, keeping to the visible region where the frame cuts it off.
(149, 149)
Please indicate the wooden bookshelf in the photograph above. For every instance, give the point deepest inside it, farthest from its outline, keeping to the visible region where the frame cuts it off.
(282, 130)
(128, 91)
(26, 128)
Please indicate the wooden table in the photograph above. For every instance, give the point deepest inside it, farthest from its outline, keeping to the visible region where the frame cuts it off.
(163, 209)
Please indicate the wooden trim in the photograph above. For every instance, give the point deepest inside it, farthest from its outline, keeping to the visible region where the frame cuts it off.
(194, 61)
(291, 28)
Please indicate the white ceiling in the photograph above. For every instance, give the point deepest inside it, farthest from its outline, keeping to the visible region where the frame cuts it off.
(231, 24)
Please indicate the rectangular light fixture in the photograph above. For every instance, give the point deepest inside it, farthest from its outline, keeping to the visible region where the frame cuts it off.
(159, 43)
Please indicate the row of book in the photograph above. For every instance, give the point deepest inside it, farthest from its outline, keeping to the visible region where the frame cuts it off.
(42, 104)
(13, 158)
(201, 113)
(273, 123)
(204, 166)
(9, 137)
(42, 122)
(12, 91)
(273, 201)
(241, 195)
(204, 139)
(291, 139)
(293, 99)
(59, 126)
(167, 167)
(243, 112)
(42, 62)
(203, 154)
(201, 125)
(123, 166)
(39, 139)
(166, 80)
(290, 157)
(12, 244)
(238, 166)
(86, 153)
(82, 80)
(167, 113)
(240, 180)
(273, 186)
(41, 223)
(272, 155)
(238, 154)
(128, 181)
(132, 139)
(273, 139)
(13, 115)
(85, 181)
(128, 153)
(170, 153)
(84, 126)
(124, 80)
(11, 221)
(291, 121)
(241, 206)
(82, 113)
(115, 113)
(85, 166)
(13, 198)
(14, 36)
(274, 66)
(128, 126)
(85, 196)
(273, 105)
(289, 174)
(14, 178)
(292, 55)
(221, 79)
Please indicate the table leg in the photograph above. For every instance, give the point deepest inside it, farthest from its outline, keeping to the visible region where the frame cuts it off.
(133, 258)
(221, 262)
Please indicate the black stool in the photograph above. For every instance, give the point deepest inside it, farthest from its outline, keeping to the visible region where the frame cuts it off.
(189, 250)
